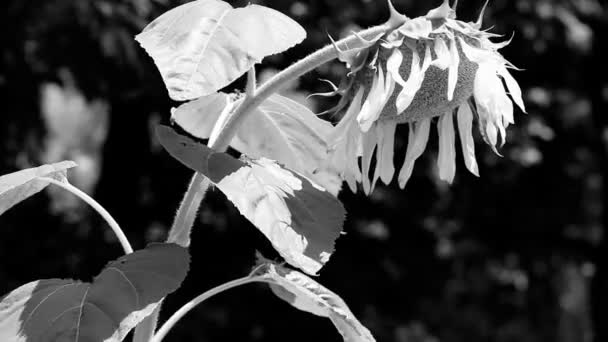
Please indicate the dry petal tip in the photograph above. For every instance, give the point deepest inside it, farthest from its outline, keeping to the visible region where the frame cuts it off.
(479, 21)
(395, 18)
(333, 42)
(331, 84)
(442, 12)
(335, 90)
(365, 42)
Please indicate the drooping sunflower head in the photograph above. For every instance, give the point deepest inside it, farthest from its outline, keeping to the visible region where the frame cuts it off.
(433, 66)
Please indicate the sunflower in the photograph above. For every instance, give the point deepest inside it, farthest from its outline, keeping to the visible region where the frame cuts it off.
(429, 68)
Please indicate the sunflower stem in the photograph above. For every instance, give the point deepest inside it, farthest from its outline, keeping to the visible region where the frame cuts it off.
(251, 82)
(276, 83)
(186, 214)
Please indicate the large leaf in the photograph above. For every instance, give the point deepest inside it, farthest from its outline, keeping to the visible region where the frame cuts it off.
(301, 219)
(280, 129)
(18, 186)
(202, 46)
(125, 292)
(305, 294)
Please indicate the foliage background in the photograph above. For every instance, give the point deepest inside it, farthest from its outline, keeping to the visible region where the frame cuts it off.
(519, 254)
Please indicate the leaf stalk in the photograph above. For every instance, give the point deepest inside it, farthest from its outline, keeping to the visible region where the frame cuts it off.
(162, 332)
(120, 235)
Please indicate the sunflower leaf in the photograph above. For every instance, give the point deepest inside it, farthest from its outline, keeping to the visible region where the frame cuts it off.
(301, 219)
(18, 186)
(279, 129)
(124, 293)
(307, 295)
(204, 45)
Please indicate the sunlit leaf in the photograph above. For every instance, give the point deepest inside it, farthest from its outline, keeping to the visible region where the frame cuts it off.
(305, 294)
(198, 117)
(202, 46)
(18, 186)
(124, 293)
(279, 129)
(301, 219)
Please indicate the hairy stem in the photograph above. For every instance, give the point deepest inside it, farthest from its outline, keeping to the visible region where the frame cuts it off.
(186, 214)
(252, 82)
(126, 246)
(162, 332)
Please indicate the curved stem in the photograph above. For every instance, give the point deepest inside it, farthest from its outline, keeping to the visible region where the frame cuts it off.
(126, 246)
(162, 332)
(303, 66)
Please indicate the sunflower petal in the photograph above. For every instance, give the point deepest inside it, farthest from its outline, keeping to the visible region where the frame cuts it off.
(386, 146)
(405, 97)
(416, 28)
(414, 81)
(465, 131)
(514, 89)
(376, 100)
(442, 12)
(443, 54)
(446, 162)
(453, 72)
(479, 21)
(393, 64)
(417, 140)
(369, 144)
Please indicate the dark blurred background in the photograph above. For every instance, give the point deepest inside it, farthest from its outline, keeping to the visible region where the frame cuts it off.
(520, 254)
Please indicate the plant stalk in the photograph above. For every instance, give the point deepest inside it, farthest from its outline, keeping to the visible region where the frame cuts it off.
(124, 242)
(162, 332)
(186, 214)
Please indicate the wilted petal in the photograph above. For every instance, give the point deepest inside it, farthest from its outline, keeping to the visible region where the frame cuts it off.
(491, 133)
(385, 168)
(479, 21)
(418, 138)
(353, 173)
(465, 130)
(442, 12)
(443, 54)
(405, 97)
(414, 82)
(494, 106)
(416, 28)
(369, 142)
(453, 72)
(393, 64)
(513, 87)
(480, 56)
(381, 90)
(446, 162)
(428, 59)
(344, 141)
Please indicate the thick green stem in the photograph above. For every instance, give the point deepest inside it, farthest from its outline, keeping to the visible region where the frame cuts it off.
(186, 214)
